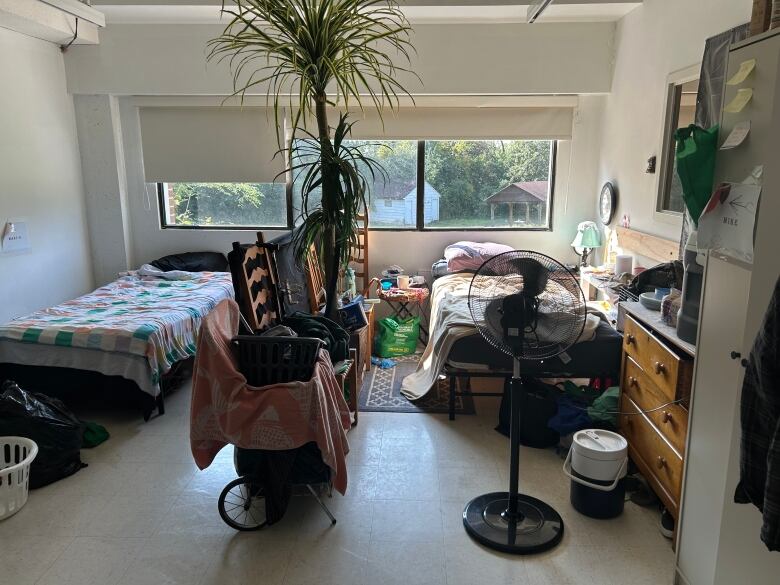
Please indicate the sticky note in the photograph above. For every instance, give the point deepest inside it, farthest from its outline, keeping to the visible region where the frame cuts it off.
(737, 135)
(739, 102)
(745, 69)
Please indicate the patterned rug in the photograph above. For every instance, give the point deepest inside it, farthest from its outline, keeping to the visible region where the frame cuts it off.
(381, 392)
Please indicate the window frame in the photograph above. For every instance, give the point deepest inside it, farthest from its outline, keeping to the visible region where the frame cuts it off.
(420, 202)
(228, 228)
(665, 162)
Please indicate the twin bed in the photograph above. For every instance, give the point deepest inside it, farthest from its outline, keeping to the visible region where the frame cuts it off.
(128, 333)
(132, 333)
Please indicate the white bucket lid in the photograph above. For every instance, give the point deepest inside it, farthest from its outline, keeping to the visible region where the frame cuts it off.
(600, 444)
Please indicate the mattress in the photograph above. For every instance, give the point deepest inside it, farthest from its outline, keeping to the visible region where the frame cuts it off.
(137, 326)
(598, 357)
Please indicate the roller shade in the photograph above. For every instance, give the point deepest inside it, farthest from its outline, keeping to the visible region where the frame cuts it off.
(210, 144)
(437, 123)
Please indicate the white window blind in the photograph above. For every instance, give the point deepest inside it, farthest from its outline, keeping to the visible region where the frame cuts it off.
(210, 144)
(445, 123)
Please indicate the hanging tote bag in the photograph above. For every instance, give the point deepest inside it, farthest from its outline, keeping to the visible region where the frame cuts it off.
(696, 149)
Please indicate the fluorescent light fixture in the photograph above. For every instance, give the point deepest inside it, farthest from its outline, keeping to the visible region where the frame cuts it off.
(536, 8)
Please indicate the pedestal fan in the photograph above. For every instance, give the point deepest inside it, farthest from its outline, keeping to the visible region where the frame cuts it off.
(531, 307)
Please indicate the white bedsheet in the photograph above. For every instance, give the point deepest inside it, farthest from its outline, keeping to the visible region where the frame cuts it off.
(131, 367)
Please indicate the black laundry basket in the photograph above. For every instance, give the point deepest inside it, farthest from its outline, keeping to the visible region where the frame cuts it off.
(276, 360)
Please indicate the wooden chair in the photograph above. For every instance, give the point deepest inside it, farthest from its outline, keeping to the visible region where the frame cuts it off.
(315, 281)
(352, 378)
(255, 283)
(359, 260)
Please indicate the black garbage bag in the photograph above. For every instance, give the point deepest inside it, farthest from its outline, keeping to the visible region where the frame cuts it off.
(538, 408)
(48, 422)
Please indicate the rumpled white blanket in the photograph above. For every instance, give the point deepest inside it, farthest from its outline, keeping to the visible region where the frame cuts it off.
(150, 271)
(450, 321)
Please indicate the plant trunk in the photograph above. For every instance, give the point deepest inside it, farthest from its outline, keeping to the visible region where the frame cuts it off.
(331, 250)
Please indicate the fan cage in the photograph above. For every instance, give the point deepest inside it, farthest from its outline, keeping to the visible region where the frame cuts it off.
(561, 312)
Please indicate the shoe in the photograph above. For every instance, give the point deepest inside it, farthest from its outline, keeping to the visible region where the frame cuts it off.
(667, 524)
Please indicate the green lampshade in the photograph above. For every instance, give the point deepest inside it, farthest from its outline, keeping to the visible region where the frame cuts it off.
(588, 236)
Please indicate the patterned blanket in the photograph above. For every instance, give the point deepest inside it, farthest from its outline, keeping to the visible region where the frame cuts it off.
(138, 314)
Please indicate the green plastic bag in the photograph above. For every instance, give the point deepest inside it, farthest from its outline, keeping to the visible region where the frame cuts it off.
(397, 337)
(696, 149)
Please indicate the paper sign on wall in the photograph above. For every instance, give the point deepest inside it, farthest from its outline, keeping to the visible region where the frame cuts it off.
(728, 221)
(15, 237)
(745, 69)
(739, 102)
(737, 135)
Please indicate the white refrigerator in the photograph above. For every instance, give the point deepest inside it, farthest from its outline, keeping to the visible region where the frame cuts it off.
(718, 540)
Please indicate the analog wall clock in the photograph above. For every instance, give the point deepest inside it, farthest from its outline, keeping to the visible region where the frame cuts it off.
(607, 203)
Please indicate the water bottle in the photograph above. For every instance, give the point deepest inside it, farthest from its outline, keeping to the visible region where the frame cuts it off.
(688, 315)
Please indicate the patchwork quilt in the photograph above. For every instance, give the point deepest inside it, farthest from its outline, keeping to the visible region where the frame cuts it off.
(154, 316)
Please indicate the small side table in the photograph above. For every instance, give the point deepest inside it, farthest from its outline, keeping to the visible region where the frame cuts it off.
(405, 303)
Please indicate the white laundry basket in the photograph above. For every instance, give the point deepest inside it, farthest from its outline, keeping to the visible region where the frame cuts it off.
(16, 455)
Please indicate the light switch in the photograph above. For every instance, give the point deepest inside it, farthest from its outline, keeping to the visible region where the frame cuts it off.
(15, 237)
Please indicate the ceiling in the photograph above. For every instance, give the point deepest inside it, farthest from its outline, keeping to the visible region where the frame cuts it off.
(418, 11)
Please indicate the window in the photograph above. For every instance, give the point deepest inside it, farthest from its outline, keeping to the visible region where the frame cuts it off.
(187, 205)
(682, 90)
(392, 201)
(488, 184)
(465, 184)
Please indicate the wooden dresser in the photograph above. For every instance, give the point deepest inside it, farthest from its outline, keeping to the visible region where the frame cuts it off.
(657, 369)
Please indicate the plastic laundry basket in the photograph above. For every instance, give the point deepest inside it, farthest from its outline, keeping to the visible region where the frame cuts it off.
(16, 455)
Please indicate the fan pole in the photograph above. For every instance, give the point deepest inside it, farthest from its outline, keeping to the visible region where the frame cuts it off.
(515, 399)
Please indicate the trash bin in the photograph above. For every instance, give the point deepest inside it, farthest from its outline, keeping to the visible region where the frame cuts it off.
(596, 465)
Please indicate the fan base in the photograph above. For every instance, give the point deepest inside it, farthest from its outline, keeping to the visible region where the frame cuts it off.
(537, 527)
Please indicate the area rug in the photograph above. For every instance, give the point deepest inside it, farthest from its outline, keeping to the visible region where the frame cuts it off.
(381, 392)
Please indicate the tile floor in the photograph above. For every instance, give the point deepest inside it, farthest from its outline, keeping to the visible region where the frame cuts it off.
(142, 513)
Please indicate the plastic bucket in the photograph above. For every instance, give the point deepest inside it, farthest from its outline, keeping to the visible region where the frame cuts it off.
(596, 465)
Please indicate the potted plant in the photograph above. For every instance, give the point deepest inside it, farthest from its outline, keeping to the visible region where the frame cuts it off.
(310, 55)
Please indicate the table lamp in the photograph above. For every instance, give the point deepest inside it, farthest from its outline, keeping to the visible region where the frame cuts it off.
(588, 237)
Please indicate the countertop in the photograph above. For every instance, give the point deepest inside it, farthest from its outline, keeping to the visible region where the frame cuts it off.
(653, 319)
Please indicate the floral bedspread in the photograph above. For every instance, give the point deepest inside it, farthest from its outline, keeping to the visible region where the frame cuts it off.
(149, 316)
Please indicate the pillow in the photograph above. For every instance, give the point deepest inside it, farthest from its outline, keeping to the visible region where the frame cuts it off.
(471, 255)
(193, 262)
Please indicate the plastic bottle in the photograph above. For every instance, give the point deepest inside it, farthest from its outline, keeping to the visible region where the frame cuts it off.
(688, 315)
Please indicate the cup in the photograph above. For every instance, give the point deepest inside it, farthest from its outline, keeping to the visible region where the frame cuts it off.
(660, 293)
(403, 281)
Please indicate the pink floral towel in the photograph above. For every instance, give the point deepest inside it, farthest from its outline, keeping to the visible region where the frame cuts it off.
(226, 410)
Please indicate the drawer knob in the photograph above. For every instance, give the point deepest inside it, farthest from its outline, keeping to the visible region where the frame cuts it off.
(632, 381)
(629, 339)
(659, 368)
(667, 417)
(660, 462)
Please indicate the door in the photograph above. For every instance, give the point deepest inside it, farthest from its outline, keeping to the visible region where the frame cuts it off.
(714, 402)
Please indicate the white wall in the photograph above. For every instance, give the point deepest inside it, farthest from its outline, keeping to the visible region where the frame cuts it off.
(652, 41)
(40, 179)
(105, 186)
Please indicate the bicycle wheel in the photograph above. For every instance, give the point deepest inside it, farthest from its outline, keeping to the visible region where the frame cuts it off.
(242, 504)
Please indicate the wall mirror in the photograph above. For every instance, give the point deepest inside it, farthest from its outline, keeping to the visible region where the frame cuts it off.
(680, 111)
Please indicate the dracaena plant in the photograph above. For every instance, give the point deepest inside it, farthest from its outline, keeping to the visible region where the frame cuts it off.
(309, 55)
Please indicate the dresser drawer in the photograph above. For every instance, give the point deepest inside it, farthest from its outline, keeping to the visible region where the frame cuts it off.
(671, 420)
(651, 452)
(670, 373)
